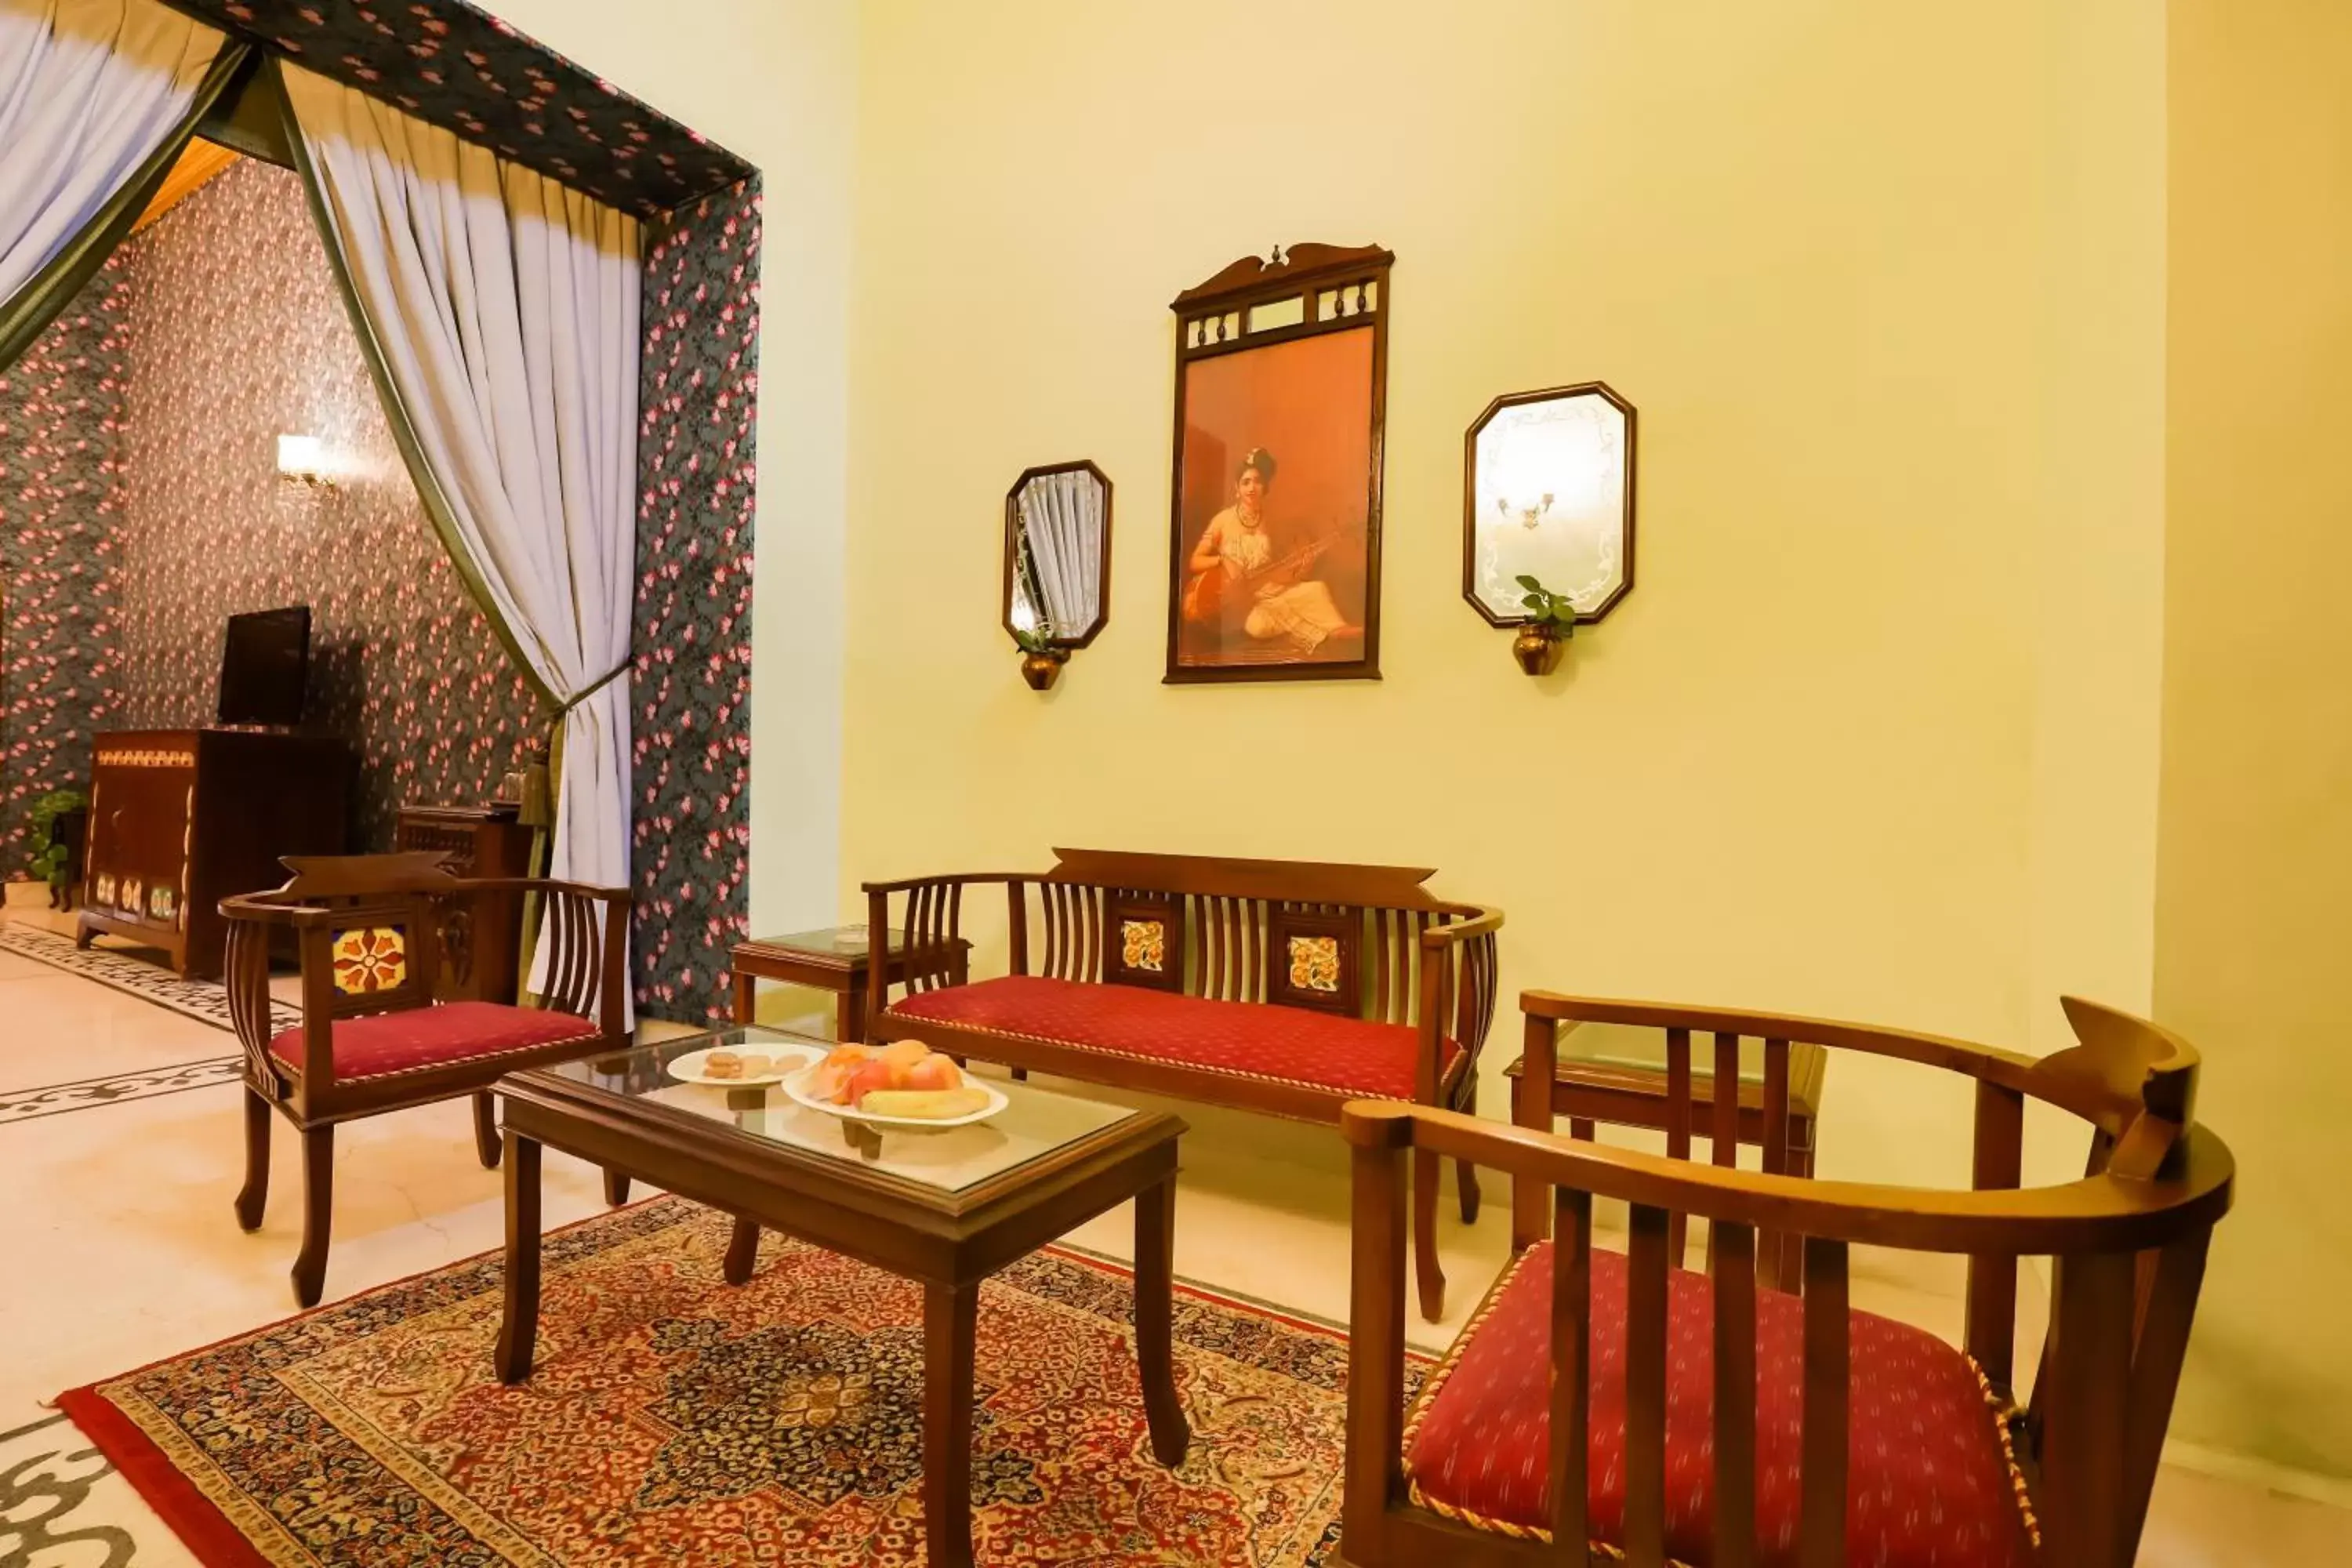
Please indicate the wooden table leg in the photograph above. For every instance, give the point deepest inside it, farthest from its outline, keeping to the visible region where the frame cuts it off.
(1155, 1291)
(747, 996)
(742, 1252)
(950, 1319)
(617, 1187)
(849, 1016)
(520, 1327)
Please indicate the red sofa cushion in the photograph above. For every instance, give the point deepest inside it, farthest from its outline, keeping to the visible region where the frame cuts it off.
(1928, 1479)
(1245, 1039)
(419, 1038)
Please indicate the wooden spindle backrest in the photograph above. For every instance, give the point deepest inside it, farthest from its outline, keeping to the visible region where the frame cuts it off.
(2121, 1317)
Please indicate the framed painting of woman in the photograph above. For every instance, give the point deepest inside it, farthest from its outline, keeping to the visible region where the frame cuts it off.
(1275, 537)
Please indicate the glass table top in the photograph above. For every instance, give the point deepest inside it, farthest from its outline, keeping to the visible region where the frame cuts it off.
(1623, 1045)
(1035, 1122)
(844, 940)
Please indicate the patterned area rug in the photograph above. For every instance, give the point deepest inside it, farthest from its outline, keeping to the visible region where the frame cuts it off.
(673, 1419)
(203, 1000)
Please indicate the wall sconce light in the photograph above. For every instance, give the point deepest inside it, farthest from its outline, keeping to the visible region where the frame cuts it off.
(1548, 515)
(303, 459)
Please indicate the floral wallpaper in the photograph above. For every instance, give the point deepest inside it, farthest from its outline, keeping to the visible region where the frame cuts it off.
(447, 62)
(224, 357)
(691, 685)
(60, 603)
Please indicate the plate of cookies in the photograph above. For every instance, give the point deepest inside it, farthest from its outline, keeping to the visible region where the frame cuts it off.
(904, 1084)
(737, 1067)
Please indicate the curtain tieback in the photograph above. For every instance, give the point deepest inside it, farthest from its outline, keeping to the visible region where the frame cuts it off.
(595, 685)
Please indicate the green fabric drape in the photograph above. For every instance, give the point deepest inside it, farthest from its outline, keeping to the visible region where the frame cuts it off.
(27, 314)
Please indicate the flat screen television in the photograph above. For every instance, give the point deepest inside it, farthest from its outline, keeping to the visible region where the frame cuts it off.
(265, 664)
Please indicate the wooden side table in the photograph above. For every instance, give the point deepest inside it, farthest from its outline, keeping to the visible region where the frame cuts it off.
(835, 960)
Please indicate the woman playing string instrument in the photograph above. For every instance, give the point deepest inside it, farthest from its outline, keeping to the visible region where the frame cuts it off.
(1240, 578)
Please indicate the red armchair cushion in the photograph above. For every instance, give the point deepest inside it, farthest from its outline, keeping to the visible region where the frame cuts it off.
(420, 1037)
(1247, 1040)
(1928, 1479)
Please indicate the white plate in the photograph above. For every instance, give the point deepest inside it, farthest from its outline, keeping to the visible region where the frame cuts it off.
(794, 1085)
(788, 1059)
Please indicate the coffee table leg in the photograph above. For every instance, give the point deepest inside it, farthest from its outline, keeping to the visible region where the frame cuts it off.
(520, 1327)
(950, 1316)
(742, 1252)
(1155, 1272)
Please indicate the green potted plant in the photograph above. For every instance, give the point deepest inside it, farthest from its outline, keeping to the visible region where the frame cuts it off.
(1543, 638)
(53, 852)
(1041, 658)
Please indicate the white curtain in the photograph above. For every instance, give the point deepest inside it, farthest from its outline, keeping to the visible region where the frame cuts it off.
(89, 90)
(503, 308)
(1062, 518)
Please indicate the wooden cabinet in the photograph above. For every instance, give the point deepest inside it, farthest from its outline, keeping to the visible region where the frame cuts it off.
(482, 943)
(180, 819)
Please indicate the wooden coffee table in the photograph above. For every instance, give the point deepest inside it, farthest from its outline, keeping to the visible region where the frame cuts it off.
(945, 1208)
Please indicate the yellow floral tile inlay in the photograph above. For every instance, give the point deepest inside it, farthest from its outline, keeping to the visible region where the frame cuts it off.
(1314, 963)
(372, 958)
(1144, 944)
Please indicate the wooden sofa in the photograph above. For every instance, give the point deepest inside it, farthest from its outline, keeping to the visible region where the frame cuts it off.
(1283, 987)
(1610, 1406)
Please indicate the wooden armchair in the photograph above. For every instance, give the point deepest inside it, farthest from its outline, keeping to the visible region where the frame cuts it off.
(371, 929)
(1606, 1407)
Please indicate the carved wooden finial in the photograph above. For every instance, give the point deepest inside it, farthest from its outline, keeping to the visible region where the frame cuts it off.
(1276, 260)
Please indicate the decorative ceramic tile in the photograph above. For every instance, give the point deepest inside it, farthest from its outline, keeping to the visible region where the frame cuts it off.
(371, 959)
(453, 65)
(1314, 963)
(1144, 944)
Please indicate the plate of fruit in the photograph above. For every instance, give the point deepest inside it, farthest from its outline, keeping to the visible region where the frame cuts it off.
(737, 1067)
(906, 1084)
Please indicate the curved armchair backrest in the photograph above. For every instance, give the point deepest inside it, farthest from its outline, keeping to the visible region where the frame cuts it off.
(374, 931)
(2128, 1241)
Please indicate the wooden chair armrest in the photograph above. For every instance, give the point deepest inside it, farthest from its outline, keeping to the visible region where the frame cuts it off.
(967, 878)
(538, 885)
(263, 908)
(2096, 1214)
(1486, 920)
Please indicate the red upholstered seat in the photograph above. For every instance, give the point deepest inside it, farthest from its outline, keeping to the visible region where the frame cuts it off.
(1928, 1480)
(420, 1037)
(1248, 1040)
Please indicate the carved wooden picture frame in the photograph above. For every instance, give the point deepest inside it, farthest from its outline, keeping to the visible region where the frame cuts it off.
(1275, 526)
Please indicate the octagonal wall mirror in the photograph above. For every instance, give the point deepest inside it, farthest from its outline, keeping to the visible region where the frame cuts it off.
(1056, 564)
(1547, 493)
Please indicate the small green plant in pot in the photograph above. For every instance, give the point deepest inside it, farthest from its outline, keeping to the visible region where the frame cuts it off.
(52, 858)
(1040, 657)
(1544, 638)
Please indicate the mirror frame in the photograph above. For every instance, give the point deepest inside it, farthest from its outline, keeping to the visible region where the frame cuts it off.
(1470, 496)
(1013, 546)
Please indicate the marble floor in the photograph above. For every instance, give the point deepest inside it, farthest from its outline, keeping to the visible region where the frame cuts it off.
(121, 1248)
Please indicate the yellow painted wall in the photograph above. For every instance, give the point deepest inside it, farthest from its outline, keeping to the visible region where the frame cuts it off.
(775, 82)
(1886, 289)
(2256, 839)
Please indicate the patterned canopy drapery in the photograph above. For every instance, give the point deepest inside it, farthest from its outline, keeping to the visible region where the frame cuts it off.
(97, 99)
